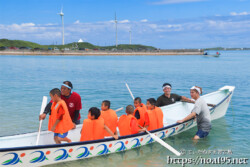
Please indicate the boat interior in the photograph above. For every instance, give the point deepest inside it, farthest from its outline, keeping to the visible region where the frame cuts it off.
(172, 113)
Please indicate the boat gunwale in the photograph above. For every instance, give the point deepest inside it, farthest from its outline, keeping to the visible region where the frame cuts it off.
(101, 140)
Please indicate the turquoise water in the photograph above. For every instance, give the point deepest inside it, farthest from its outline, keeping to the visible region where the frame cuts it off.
(25, 79)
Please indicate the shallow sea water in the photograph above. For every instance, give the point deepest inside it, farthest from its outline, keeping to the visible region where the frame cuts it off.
(25, 79)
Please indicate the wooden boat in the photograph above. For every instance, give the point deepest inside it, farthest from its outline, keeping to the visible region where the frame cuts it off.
(21, 150)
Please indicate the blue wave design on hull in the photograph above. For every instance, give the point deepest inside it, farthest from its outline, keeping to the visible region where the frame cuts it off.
(84, 154)
(137, 143)
(14, 160)
(183, 126)
(41, 158)
(163, 135)
(151, 139)
(104, 151)
(190, 123)
(172, 132)
(65, 155)
(122, 146)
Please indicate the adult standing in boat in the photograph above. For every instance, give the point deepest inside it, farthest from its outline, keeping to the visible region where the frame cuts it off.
(201, 112)
(170, 98)
(73, 101)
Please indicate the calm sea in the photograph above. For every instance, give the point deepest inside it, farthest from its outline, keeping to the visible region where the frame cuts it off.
(24, 80)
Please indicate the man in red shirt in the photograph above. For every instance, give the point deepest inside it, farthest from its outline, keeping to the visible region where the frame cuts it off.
(73, 101)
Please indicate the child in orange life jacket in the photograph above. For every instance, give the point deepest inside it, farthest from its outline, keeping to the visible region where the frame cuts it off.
(153, 116)
(109, 116)
(59, 121)
(128, 124)
(93, 128)
(140, 110)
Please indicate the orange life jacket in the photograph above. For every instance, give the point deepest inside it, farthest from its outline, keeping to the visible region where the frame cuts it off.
(155, 118)
(110, 120)
(92, 129)
(124, 124)
(66, 123)
(142, 110)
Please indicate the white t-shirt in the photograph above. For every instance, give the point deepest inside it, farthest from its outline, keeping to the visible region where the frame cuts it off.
(202, 115)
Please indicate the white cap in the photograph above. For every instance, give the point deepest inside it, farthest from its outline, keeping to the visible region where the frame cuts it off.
(196, 88)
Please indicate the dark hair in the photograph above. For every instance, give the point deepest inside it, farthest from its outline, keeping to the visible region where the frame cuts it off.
(152, 101)
(167, 84)
(130, 109)
(138, 99)
(55, 91)
(68, 83)
(94, 111)
(106, 103)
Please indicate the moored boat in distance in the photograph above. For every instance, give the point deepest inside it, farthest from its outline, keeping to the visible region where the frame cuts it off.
(21, 150)
(211, 55)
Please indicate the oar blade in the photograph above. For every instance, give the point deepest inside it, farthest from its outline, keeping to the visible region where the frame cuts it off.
(170, 148)
(44, 103)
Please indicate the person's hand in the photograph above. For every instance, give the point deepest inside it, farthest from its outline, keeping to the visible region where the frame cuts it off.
(180, 121)
(53, 128)
(42, 116)
(211, 105)
(116, 137)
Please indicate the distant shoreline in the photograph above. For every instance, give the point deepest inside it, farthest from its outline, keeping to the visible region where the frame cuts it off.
(103, 53)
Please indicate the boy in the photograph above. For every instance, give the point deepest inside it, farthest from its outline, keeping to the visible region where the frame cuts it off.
(93, 127)
(153, 116)
(59, 120)
(109, 116)
(128, 124)
(139, 112)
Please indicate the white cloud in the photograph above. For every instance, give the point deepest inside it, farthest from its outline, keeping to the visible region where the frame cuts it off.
(144, 20)
(162, 2)
(103, 33)
(239, 14)
(27, 24)
(77, 22)
(124, 21)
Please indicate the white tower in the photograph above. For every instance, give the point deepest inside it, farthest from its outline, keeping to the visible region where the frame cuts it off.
(62, 14)
(115, 31)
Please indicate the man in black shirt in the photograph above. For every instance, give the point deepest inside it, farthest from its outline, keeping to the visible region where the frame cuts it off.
(170, 98)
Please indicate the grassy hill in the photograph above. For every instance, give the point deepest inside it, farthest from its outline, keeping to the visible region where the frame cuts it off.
(74, 45)
(18, 43)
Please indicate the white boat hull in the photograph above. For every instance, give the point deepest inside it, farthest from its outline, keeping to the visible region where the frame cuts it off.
(25, 153)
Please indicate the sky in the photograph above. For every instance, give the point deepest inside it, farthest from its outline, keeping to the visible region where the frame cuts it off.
(164, 24)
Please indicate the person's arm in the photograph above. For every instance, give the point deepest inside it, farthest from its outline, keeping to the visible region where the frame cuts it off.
(110, 132)
(46, 111)
(183, 98)
(142, 129)
(55, 124)
(146, 121)
(134, 126)
(76, 115)
(190, 116)
(158, 102)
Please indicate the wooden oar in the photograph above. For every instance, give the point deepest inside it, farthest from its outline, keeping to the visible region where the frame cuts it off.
(44, 103)
(156, 138)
